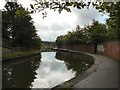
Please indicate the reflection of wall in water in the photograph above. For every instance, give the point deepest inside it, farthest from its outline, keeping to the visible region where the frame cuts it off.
(76, 62)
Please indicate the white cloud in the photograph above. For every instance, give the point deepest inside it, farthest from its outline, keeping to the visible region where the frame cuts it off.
(85, 16)
(56, 24)
(51, 72)
(2, 4)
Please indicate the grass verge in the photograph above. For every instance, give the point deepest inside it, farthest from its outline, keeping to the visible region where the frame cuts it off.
(15, 54)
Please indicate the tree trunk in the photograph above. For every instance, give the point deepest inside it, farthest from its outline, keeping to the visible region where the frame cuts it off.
(95, 48)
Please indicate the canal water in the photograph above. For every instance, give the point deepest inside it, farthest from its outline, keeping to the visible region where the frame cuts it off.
(46, 70)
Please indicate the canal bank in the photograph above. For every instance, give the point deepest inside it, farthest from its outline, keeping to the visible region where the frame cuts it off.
(102, 74)
(47, 71)
(19, 55)
(21, 58)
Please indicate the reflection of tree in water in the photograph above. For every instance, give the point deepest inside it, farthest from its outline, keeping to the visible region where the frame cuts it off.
(76, 62)
(20, 75)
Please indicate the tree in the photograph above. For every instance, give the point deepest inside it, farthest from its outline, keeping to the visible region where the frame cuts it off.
(19, 24)
(5, 32)
(94, 33)
(56, 5)
(59, 41)
(76, 36)
(112, 8)
(37, 43)
(97, 32)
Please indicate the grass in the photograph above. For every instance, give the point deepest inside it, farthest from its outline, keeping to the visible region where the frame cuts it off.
(15, 54)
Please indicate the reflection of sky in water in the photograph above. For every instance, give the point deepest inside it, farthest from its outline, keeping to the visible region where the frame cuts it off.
(51, 72)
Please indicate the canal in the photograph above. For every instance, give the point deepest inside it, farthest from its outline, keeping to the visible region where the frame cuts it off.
(46, 70)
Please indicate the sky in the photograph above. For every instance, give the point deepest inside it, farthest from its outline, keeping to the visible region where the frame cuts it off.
(56, 24)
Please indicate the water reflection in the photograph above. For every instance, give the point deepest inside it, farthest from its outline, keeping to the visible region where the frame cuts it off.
(44, 71)
(20, 74)
(51, 72)
(74, 61)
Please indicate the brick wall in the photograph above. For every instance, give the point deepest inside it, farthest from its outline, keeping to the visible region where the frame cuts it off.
(80, 47)
(110, 49)
(84, 48)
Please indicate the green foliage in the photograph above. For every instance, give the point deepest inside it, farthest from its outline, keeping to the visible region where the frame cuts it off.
(95, 33)
(37, 43)
(42, 5)
(5, 24)
(18, 26)
(112, 8)
(59, 41)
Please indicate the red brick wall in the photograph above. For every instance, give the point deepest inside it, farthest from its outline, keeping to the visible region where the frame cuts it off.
(81, 47)
(119, 50)
(111, 49)
(84, 48)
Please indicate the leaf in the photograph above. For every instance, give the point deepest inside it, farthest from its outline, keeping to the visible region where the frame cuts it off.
(31, 11)
(31, 6)
(68, 9)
